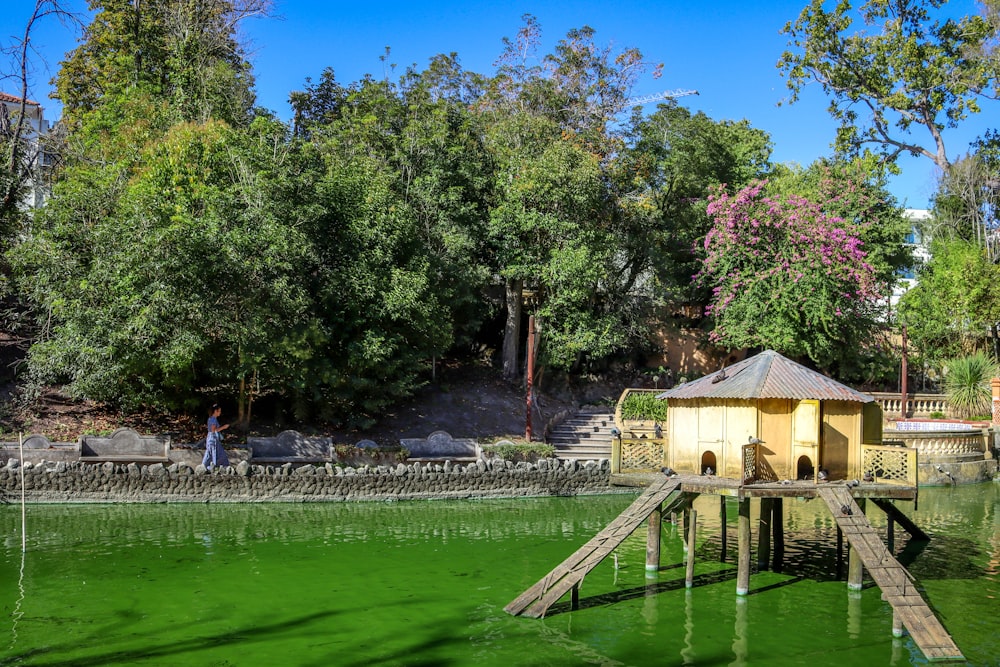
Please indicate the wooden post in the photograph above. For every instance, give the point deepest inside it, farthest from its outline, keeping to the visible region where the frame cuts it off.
(574, 596)
(855, 569)
(764, 533)
(685, 525)
(722, 522)
(743, 560)
(692, 530)
(840, 553)
(897, 625)
(890, 534)
(778, 542)
(653, 539)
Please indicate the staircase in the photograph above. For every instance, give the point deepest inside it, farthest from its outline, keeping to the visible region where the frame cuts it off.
(585, 435)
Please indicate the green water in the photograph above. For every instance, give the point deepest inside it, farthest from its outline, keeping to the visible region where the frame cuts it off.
(425, 583)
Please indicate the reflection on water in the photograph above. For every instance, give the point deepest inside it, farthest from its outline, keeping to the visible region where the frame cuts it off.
(426, 582)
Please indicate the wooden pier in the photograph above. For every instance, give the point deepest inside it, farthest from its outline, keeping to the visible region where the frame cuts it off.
(842, 500)
(535, 601)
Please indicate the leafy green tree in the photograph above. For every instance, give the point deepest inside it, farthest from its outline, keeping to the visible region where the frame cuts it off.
(891, 67)
(674, 160)
(954, 307)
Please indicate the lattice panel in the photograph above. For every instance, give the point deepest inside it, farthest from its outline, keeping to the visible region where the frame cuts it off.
(886, 463)
(749, 463)
(642, 455)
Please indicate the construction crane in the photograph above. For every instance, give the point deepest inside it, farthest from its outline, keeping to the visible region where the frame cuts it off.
(656, 97)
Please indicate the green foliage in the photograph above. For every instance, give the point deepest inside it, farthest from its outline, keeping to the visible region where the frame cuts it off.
(902, 62)
(644, 405)
(967, 384)
(519, 451)
(954, 305)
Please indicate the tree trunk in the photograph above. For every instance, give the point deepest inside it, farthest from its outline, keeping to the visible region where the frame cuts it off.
(512, 330)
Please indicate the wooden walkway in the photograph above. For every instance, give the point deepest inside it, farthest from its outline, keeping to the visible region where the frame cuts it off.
(535, 601)
(898, 587)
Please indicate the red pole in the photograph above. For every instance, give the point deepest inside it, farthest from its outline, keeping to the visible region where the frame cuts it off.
(530, 375)
(902, 389)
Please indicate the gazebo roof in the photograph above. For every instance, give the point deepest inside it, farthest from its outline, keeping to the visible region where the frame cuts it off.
(766, 375)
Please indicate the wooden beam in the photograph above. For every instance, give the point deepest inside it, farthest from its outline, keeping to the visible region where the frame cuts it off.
(778, 541)
(722, 523)
(764, 533)
(904, 521)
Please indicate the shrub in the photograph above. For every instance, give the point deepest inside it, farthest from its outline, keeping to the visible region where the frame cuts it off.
(520, 451)
(644, 405)
(967, 384)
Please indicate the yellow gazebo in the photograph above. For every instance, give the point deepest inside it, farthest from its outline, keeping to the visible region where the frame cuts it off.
(767, 418)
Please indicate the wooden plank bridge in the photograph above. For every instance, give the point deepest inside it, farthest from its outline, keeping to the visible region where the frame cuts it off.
(535, 601)
(896, 583)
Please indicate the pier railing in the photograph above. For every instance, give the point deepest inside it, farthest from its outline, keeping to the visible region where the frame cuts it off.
(890, 463)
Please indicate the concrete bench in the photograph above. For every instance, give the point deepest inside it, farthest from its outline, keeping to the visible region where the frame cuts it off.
(440, 446)
(290, 447)
(125, 446)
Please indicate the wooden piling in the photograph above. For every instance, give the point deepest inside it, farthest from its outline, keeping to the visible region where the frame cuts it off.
(840, 553)
(722, 522)
(764, 533)
(778, 541)
(855, 568)
(890, 534)
(575, 597)
(743, 560)
(692, 531)
(653, 539)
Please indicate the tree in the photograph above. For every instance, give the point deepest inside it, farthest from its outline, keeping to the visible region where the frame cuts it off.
(891, 67)
(556, 112)
(787, 276)
(674, 160)
(184, 51)
(967, 204)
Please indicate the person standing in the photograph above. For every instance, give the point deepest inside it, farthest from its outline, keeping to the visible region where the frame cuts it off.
(214, 452)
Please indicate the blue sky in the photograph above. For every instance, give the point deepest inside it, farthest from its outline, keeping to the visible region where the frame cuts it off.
(727, 50)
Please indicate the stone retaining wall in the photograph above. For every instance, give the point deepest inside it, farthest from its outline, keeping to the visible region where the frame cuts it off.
(67, 482)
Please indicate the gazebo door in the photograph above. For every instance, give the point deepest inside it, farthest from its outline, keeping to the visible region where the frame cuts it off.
(806, 422)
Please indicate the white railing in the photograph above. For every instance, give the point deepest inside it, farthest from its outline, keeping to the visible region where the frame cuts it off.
(919, 406)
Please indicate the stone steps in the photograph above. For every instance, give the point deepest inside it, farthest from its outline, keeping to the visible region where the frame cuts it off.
(583, 436)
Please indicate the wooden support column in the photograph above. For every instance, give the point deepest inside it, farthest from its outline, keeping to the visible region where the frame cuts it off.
(764, 533)
(840, 553)
(722, 522)
(890, 534)
(685, 525)
(653, 539)
(692, 531)
(897, 625)
(574, 596)
(855, 569)
(743, 560)
(778, 541)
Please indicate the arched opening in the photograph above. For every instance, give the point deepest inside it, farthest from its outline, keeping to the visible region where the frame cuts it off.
(708, 464)
(804, 468)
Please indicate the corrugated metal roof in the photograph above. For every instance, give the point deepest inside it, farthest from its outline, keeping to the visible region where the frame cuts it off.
(767, 375)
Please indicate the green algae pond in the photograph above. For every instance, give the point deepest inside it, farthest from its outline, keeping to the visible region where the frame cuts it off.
(425, 583)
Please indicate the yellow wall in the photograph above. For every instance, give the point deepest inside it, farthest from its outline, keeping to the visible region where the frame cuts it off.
(841, 438)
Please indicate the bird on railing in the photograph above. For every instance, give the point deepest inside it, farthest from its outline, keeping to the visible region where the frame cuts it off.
(853, 483)
(823, 475)
(868, 476)
(668, 471)
(708, 472)
(754, 440)
(615, 433)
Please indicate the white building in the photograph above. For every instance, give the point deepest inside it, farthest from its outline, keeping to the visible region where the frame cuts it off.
(36, 127)
(918, 246)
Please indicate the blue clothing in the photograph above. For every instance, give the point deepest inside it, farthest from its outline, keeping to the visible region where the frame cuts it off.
(215, 454)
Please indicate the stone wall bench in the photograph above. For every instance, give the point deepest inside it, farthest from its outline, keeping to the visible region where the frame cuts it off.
(125, 446)
(290, 447)
(439, 446)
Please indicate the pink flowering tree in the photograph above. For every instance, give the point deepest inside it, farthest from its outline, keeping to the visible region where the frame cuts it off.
(787, 276)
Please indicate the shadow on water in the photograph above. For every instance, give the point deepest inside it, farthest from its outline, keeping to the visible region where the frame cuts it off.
(240, 637)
